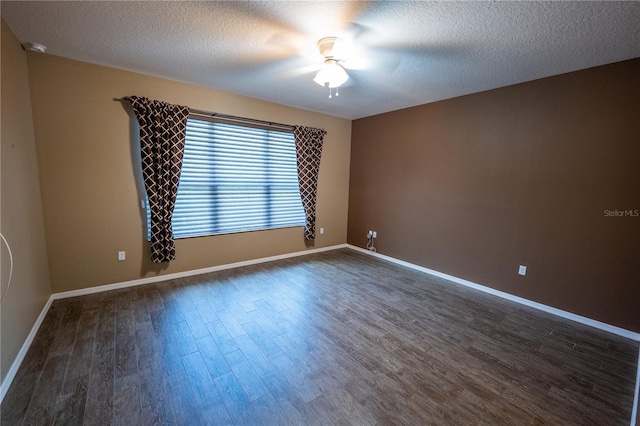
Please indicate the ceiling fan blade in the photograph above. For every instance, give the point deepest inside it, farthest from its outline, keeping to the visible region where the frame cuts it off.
(309, 69)
(353, 31)
(294, 44)
(353, 80)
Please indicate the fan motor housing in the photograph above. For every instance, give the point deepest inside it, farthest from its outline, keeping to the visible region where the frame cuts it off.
(328, 47)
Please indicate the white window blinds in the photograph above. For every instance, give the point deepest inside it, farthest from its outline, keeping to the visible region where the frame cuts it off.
(236, 178)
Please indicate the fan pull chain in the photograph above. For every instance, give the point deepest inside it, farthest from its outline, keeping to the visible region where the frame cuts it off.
(331, 93)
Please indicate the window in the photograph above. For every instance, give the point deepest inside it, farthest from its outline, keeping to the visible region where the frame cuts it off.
(236, 178)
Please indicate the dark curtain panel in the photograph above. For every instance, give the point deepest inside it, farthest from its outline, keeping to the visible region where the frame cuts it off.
(162, 135)
(308, 152)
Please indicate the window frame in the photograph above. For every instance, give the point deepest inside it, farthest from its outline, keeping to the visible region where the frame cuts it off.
(277, 219)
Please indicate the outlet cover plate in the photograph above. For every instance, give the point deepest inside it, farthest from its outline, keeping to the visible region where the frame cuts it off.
(522, 270)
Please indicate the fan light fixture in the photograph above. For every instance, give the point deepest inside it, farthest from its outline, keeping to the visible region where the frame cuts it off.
(331, 75)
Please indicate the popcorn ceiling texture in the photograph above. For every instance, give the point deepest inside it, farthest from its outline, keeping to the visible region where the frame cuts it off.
(407, 53)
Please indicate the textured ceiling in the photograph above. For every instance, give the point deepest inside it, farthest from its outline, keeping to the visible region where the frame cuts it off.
(405, 53)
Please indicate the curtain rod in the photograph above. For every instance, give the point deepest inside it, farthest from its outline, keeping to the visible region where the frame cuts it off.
(234, 118)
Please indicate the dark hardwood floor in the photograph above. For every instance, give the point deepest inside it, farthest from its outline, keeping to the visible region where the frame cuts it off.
(331, 338)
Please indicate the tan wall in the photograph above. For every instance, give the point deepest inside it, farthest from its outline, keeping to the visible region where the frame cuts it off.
(21, 218)
(90, 196)
(477, 185)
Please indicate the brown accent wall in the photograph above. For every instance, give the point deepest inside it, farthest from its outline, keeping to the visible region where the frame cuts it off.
(523, 175)
(87, 154)
(21, 213)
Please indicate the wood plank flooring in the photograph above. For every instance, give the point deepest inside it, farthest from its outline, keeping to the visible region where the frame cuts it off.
(331, 338)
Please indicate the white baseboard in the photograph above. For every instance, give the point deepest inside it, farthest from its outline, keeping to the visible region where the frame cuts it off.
(6, 383)
(634, 413)
(555, 311)
(159, 278)
(11, 374)
(526, 302)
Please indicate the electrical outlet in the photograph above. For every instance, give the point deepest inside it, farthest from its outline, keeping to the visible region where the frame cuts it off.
(375, 234)
(321, 231)
(122, 255)
(522, 270)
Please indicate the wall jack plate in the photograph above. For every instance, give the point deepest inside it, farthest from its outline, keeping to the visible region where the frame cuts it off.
(522, 270)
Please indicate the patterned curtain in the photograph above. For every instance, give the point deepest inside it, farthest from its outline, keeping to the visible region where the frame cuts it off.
(162, 135)
(308, 152)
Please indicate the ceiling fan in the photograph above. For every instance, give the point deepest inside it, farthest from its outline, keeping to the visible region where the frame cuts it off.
(339, 60)
(332, 74)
